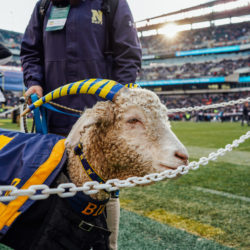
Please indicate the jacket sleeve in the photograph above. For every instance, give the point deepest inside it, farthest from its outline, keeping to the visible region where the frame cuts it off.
(32, 51)
(126, 46)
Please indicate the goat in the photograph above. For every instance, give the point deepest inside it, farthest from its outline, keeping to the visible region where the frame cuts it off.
(128, 136)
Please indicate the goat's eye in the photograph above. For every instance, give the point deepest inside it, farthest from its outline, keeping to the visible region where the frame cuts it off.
(133, 121)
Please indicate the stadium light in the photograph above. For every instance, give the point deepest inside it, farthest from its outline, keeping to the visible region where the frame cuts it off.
(225, 6)
(169, 30)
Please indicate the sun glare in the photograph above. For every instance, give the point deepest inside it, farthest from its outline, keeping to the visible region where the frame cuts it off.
(170, 30)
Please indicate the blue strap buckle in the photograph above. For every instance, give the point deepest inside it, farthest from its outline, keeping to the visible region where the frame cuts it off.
(40, 117)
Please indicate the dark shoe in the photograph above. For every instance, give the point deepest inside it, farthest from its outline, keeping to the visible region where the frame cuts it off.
(5, 55)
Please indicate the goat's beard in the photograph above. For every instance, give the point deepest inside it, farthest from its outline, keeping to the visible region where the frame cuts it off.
(63, 3)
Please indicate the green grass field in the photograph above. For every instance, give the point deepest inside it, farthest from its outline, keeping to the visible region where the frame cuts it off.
(191, 203)
(205, 209)
(7, 124)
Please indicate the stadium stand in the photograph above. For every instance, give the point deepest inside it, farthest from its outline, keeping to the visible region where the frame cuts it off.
(231, 113)
(204, 58)
(11, 78)
(204, 48)
(194, 69)
(12, 40)
(215, 36)
(198, 56)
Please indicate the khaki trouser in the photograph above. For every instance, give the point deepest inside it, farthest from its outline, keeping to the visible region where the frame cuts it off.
(113, 217)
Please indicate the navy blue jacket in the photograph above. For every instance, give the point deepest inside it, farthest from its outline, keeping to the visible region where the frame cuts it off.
(52, 59)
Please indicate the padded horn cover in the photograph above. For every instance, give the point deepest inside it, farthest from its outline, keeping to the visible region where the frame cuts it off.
(102, 87)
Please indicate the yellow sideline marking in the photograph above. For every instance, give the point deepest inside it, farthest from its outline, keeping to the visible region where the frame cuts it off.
(124, 203)
(85, 86)
(180, 222)
(39, 176)
(107, 89)
(4, 140)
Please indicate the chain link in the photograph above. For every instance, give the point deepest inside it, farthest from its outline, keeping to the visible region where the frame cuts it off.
(39, 192)
(212, 106)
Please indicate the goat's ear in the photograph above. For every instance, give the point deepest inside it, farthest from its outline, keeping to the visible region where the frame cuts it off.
(74, 135)
(101, 113)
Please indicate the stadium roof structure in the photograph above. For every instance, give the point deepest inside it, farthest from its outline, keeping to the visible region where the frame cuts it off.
(151, 23)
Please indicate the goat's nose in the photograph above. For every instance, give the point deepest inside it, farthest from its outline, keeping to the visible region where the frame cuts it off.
(182, 156)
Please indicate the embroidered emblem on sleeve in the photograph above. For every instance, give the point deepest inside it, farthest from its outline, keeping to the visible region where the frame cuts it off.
(96, 16)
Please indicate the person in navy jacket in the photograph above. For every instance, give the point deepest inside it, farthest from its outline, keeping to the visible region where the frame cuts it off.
(51, 59)
(75, 51)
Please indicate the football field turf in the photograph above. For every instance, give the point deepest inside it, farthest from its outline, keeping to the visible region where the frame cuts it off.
(212, 202)
(208, 208)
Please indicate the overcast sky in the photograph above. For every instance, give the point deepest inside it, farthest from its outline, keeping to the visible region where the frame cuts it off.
(15, 14)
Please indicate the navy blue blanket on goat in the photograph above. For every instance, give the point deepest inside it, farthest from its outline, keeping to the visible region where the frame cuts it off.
(27, 159)
(34, 159)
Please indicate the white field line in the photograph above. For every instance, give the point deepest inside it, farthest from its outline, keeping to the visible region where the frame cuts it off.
(228, 195)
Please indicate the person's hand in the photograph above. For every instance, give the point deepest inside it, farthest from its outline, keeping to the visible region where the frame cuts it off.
(36, 89)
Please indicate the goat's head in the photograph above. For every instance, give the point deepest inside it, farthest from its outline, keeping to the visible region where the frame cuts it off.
(132, 134)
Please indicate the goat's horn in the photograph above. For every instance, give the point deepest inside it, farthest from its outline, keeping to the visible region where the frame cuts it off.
(104, 88)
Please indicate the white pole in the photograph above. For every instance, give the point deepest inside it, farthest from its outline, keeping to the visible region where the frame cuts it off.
(21, 108)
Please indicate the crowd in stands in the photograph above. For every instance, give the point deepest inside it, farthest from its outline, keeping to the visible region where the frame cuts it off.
(11, 39)
(229, 113)
(186, 40)
(11, 99)
(15, 63)
(224, 67)
(195, 39)
(214, 36)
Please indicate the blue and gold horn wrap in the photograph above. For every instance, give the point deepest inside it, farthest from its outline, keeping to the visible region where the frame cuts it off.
(132, 85)
(101, 87)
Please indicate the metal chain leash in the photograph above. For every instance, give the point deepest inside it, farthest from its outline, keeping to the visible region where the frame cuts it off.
(40, 192)
(170, 111)
(212, 106)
